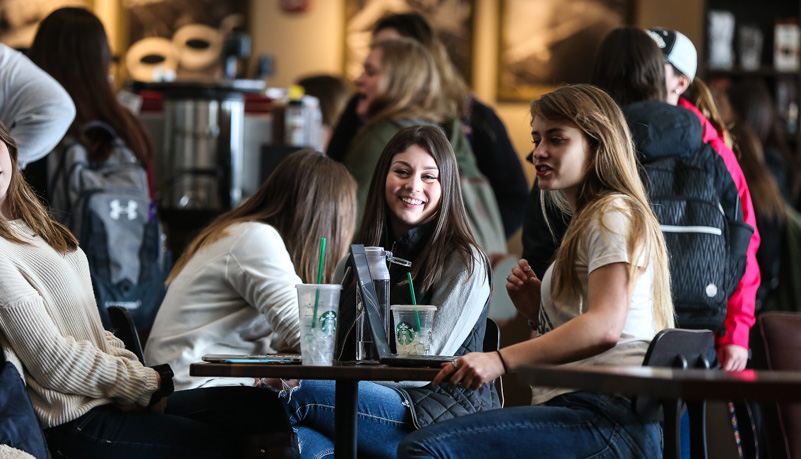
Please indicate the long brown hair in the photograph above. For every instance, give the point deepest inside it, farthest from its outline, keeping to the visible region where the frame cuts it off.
(451, 231)
(768, 200)
(610, 175)
(308, 196)
(699, 95)
(409, 85)
(71, 45)
(630, 67)
(24, 205)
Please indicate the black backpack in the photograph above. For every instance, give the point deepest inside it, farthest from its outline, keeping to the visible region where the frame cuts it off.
(695, 200)
(107, 207)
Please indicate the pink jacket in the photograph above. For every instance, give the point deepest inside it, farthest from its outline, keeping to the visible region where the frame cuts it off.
(740, 310)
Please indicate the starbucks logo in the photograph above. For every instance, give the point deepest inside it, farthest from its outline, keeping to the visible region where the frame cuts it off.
(328, 323)
(405, 333)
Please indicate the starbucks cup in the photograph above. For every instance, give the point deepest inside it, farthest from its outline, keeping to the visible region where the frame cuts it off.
(413, 328)
(318, 306)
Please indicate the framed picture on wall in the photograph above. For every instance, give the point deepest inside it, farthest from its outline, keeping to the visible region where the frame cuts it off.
(21, 18)
(546, 43)
(180, 36)
(452, 21)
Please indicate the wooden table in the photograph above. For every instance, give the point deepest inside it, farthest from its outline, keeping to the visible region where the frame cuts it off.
(347, 377)
(667, 383)
(671, 387)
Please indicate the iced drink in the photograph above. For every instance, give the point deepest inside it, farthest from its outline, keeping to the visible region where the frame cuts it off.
(318, 332)
(413, 337)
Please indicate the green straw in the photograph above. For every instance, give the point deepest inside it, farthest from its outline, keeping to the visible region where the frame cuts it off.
(414, 300)
(319, 281)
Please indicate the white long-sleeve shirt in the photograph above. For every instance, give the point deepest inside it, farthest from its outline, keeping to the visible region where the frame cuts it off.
(36, 110)
(236, 296)
(51, 331)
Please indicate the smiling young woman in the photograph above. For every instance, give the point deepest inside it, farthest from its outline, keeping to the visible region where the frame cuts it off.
(414, 207)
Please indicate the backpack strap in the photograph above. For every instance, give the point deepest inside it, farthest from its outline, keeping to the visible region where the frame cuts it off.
(97, 124)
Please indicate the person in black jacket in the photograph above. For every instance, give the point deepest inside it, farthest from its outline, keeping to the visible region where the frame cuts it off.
(634, 76)
(495, 155)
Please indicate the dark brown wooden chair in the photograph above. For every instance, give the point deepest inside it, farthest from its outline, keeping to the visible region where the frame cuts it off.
(677, 348)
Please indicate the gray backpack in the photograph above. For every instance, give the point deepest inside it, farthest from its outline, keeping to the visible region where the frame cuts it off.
(107, 206)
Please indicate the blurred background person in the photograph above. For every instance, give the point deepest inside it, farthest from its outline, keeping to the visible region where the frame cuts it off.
(489, 141)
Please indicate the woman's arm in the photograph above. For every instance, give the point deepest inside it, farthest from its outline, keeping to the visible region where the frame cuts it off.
(593, 332)
(64, 364)
(263, 274)
(34, 107)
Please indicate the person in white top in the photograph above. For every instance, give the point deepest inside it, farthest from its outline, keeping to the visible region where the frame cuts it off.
(92, 396)
(34, 107)
(232, 291)
(600, 303)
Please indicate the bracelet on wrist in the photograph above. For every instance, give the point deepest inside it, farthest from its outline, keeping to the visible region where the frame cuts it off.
(503, 362)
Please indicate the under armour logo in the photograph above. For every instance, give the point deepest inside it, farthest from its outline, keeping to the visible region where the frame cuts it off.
(117, 209)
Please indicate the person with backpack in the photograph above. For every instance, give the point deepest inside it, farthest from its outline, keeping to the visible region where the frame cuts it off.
(706, 271)
(99, 178)
(494, 153)
(681, 61)
(600, 303)
(401, 87)
(93, 398)
(233, 289)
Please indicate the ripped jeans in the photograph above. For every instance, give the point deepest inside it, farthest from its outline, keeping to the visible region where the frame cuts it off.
(383, 418)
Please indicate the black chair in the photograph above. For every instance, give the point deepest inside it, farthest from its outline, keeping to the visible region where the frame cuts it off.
(677, 348)
(123, 327)
(492, 336)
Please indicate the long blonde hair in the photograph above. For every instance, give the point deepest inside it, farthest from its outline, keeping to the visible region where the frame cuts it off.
(409, 86)
(414, 26)
(610, 177)
(308, 196)
(24, 205)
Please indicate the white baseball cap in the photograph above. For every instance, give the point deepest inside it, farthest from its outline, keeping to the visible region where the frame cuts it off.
(677, 48)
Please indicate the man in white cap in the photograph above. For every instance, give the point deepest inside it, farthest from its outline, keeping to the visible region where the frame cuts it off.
(681, 61)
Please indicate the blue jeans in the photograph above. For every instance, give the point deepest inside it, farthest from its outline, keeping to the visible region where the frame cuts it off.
(578, 424)
(382, 421)
(218, 422)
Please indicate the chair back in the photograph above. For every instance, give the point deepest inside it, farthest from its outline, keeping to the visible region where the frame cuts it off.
(781, 338)
(674, 348)
(123, 327)
(492, 336)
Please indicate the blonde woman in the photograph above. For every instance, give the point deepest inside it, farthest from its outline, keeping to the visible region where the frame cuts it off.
(600, 302)
(401, 87)
(233, 289)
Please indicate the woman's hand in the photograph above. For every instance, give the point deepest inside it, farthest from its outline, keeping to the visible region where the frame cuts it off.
(524, 290)
(472, 370)
(733, 357)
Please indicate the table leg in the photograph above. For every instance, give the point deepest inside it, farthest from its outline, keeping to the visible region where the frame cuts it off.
(672, 429)
(347, 402)
(697, 413)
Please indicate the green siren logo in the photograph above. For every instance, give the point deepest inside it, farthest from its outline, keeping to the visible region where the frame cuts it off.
(405, 333)
(328, 323)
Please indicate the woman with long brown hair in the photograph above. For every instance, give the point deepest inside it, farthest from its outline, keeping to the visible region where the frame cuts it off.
(92, 397)
(414, 207)
(71, 45)
(233, 289)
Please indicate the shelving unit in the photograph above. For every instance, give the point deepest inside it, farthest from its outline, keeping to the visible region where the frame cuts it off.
(763, 15)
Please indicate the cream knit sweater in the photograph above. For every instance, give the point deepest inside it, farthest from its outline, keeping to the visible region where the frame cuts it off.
(51, 331)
